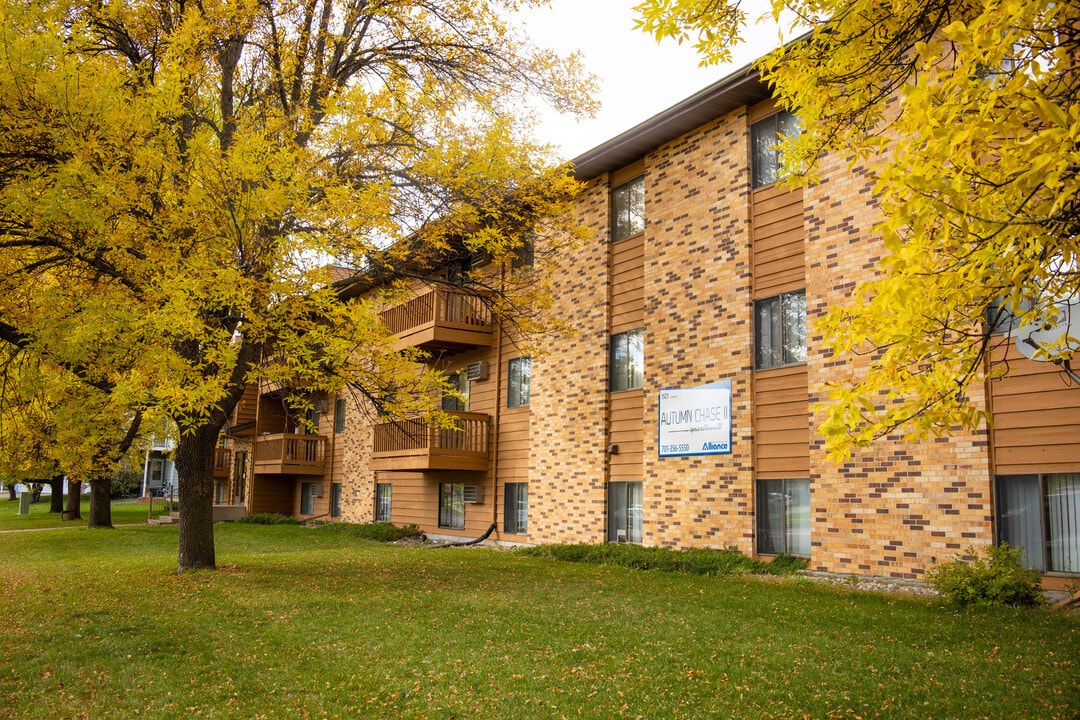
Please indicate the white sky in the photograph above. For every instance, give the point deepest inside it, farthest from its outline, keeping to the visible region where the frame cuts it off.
(637, 77)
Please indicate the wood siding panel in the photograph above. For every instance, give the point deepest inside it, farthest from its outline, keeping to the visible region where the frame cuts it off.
(626, 429)
(778, 245)
(1036, 423)
(782, 423)
(628, 284)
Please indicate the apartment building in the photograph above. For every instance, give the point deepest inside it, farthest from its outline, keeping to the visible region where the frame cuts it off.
(679, 412)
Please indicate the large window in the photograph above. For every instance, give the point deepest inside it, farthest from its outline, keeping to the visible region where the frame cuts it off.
(335, 500)
(780, 330)
(452, 505)
(765, 136)
(628, 209)
(628, 360)
(383, 493)
(516, 508)
(1041, 514)
(624, 512)
(783, 517)
(518, 380)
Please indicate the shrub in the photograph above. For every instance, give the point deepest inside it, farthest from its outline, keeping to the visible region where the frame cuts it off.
(269, 519)
(698, 561)
(126, 483)
(998, 577)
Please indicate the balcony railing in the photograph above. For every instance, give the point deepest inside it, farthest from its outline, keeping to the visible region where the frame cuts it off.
(286, 453)
(222, 462)
(418, 445)
(441, 317)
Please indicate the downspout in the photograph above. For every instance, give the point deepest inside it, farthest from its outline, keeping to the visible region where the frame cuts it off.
(496, 415)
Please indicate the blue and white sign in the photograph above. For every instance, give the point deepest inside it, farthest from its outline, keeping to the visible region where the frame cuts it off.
(696, 421)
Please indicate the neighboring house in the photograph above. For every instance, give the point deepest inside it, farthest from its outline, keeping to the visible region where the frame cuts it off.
(691, 305)
(159, 471)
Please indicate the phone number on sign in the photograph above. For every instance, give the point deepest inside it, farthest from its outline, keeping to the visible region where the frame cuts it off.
(666, 449)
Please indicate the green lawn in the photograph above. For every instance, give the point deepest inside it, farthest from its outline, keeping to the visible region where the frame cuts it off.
(124, 512)
(302, 622)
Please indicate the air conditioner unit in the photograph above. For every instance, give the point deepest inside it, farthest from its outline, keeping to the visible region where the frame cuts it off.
(474, 494)
(320, 406)
(316, 491)
(477, 370)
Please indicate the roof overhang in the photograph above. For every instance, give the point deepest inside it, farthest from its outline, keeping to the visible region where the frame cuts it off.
(742, 87)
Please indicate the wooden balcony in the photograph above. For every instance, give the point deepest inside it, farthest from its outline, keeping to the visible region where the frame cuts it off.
(288, 454)
(440, 319)
(222, 462)
(417, 445)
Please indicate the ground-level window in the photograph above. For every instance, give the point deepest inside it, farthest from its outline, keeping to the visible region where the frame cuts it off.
(335, 500)
(783, 517)
(219, 493)
(516, 508)
(307, 498)
(383, 493)
(624, 512)
(240, 465)
(452, 505)
(1041, 515)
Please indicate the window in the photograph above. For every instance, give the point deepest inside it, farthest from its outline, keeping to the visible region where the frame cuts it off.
(311, 427)
(452, 505)
(783, 517)
(339, 415)
(383, 492)
(1041, 514)
(518, 377)
(240, 474)
(307, 498)
(219, 493)
(516, 508)
(624, 512)
(628, 360)
(524, 254)
(780, 330)
(335, 500)
(764, 136)
(460, 382)
(628, 209)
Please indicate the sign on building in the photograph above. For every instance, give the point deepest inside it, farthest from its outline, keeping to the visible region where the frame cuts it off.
(695, 421)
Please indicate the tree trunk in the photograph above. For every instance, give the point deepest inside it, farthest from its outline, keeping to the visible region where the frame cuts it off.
(35, 492)
(100, 503)
(11, 492)
(74, 499)
(56, 499)
(195, 464)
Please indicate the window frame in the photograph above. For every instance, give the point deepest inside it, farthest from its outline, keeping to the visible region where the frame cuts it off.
(517, 370)
(1046, 562)
(452, 515)
(623, 379)
(780, 343)
(307, 499)
(459, 379)
(516, 508)
(622, 198)
(770, 128)
(784, 534)
(339, 415)
(625, 499)
(384, 502)
(335, 500)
